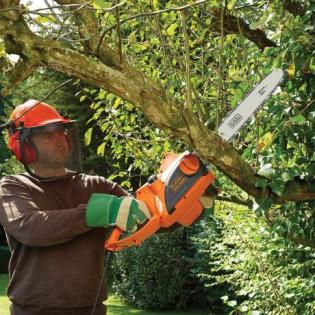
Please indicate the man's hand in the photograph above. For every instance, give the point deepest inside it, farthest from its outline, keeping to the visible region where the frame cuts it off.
(124, 212)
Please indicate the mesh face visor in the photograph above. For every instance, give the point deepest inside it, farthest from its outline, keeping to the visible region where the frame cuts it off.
(54, 144)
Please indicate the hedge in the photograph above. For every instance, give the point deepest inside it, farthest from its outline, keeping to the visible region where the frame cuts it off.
(4, 259)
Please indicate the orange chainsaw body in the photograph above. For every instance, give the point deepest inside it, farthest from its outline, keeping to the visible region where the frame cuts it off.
(172, 197)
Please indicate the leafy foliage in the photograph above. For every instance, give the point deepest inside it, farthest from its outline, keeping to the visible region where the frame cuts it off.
(125, 138)
(253, 269)
(157, 275)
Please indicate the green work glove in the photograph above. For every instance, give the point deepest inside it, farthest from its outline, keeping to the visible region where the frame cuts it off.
(124, 212)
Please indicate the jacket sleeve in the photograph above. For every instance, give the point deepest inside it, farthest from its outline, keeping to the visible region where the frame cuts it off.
(22, 218)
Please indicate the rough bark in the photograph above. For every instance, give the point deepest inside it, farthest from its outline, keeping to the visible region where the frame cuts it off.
(294, 7)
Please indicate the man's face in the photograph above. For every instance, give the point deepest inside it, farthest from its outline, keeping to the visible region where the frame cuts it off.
(53, 147)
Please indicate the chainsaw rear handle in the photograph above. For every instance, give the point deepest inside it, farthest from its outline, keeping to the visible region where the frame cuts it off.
(115, 244)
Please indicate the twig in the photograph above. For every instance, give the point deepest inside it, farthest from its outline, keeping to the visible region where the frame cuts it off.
(127, 136)
(220, 83)
(188, 103)
(119, 33)
(53, 12)
(155, 13)
(236, 200)
(65, 6)
(21, 91)
(159, 31)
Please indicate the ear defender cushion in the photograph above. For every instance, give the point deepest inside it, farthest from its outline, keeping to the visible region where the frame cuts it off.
(29, 150)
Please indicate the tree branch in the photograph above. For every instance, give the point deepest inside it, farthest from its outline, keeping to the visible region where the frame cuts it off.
(20, 71)
(233, 199)
(88, 21)
(146, 14)
(234, 25)
(294, 7)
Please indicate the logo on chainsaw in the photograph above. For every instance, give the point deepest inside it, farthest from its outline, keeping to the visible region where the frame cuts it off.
(178, 183)
(235, 120)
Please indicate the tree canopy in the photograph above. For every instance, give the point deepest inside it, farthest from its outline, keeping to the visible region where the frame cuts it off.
(185, 65)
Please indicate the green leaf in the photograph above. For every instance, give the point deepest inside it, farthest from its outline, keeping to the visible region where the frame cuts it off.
(264, 203)
(82, 98)
(2, 49)
(261, 183)
(45, 19)
(224, 298)
(88, 136)
(231, 4)
(101, 4)
(232, 303)
(261, 22)
(277, 186)
(291, 70)
(117, 102)
(243, 308)
(265, 142)
(299, 118)
(155, 4)
(312, 65)
(132, 37)
(171, 29)
(101, 149)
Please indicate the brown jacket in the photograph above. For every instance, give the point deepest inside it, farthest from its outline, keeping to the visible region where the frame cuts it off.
(57, 261)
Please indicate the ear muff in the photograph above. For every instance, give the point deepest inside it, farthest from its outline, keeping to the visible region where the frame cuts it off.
(29, 154)
(29, 151)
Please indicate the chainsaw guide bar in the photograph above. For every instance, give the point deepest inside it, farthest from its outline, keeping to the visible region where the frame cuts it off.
(238, 117)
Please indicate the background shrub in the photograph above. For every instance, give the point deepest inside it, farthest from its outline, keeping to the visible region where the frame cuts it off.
(157, 274)
(255, 270)
(4, 259)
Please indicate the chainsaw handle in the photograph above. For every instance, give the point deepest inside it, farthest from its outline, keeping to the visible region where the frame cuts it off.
(115, 235)
(114, 243)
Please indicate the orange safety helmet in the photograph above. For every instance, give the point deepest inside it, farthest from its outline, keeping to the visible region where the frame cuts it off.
(35, 113)
(34, 117)
(25, 117)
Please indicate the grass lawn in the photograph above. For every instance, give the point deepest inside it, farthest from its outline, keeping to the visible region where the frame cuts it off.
(114, 305)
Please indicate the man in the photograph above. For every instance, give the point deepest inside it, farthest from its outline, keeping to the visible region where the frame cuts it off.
(54, 217)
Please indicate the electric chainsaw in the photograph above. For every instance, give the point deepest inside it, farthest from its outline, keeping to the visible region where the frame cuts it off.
(173, 196)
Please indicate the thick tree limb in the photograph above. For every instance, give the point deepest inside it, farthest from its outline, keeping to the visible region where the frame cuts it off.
(294, 7)
(20, 71)
(234, 25)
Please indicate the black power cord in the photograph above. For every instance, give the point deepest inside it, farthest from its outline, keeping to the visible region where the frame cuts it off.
(108, 256)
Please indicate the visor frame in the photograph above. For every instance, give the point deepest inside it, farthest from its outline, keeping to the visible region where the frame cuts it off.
(28, 131)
